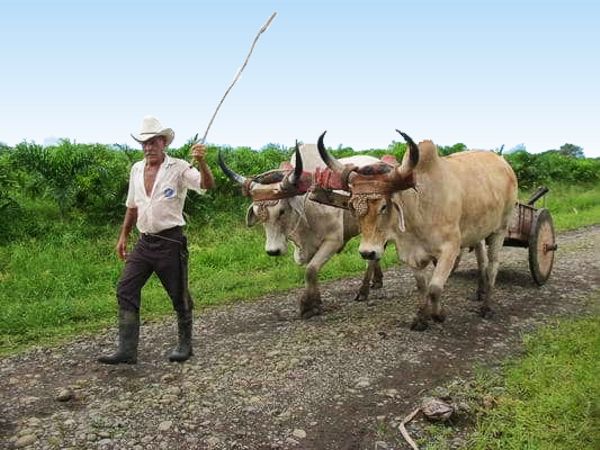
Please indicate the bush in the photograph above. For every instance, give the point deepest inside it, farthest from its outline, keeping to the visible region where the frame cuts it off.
(40, 186)
(543, 168)
(90, 179)
(10, 211)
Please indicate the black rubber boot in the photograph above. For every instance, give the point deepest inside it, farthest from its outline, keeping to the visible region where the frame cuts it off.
(184, 332)
(129, 334)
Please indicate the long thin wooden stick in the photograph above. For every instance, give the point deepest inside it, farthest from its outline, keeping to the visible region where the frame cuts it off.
(403, 431)
(239, 72)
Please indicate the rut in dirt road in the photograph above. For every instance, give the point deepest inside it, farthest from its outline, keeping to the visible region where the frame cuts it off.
(262, 378)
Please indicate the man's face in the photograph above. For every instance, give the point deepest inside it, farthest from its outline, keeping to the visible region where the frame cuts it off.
(154, 150)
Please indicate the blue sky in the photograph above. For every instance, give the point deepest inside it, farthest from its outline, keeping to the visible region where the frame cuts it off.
(485, 73)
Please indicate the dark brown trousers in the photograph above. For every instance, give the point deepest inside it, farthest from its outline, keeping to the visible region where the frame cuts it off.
(165, 254)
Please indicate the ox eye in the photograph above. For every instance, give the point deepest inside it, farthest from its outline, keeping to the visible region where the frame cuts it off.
(383, 208)
(282, 212)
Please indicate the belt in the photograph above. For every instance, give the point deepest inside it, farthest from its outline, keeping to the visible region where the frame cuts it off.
(170, 234)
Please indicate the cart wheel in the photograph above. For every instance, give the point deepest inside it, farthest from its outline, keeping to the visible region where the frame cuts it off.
(542, 245)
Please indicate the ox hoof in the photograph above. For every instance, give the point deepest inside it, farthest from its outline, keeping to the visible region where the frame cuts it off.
(439, 317)
(419, 325)
(377, 284)
(477, 296)
(486, 312)
(310, 305)
(310, 312)
(361, 296)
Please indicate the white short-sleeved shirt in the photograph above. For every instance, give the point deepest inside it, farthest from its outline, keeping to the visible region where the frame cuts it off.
(163, 208)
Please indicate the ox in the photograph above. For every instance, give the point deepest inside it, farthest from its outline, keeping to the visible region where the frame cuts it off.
(431, 207)
(281, 203)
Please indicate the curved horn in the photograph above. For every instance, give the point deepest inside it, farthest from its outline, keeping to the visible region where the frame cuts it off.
(331, 162)
(412, 147)
(230, 173)
(295, 179)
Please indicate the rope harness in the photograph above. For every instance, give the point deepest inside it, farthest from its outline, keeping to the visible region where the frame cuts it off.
(368, 183)
(262, 213)
(262, 206)
(358, 202)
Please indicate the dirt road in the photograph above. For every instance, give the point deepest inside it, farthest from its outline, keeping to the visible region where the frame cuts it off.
(262, 378)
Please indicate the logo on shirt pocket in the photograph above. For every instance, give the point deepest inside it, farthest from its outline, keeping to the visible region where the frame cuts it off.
(169, 192)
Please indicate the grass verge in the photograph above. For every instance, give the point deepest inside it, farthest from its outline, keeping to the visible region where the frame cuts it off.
(552, 396)
(63, 285)
(571, 206)
(548, 399)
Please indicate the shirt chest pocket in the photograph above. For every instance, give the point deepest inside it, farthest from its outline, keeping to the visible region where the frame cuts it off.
(168, 187)
(168, 192)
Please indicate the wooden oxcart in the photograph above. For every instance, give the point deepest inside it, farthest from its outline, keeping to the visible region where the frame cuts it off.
(530, 228)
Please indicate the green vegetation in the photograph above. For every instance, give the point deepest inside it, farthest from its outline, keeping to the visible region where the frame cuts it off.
(546, 399)
(64, 285)
(571, 205)
(551, 397)
(61, 208)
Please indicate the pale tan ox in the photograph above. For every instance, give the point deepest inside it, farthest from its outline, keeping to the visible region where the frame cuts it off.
(280, 203)
(431, 207)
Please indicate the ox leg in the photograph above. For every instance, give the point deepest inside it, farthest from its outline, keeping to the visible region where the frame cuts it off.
(421, 320)
(441, 272)
(482, 264)
(495, 243)
(310, 301)
(377, 280)
(374, 273)
(363, 292)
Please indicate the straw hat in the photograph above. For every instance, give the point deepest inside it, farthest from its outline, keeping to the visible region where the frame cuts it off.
(151, 127)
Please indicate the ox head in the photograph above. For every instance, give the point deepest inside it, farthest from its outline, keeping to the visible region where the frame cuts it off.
(273, 202)
(372, 191)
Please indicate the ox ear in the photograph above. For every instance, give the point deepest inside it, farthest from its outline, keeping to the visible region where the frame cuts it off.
(251, 218)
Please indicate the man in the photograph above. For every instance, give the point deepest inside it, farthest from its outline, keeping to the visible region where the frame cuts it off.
(158, 187)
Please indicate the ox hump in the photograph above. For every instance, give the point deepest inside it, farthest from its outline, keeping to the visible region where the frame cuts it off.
(428, 154)
(359, 160)
(310, 158)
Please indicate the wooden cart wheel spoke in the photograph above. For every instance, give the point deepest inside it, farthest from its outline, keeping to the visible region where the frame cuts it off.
(542, 245)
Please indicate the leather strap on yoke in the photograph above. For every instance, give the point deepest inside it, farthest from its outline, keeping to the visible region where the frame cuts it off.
(277, 192)
(346, 175)
(261, 196)
(381, 184)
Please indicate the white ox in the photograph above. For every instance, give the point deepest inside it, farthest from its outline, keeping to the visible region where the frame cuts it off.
(431, 207)
(281, 203)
